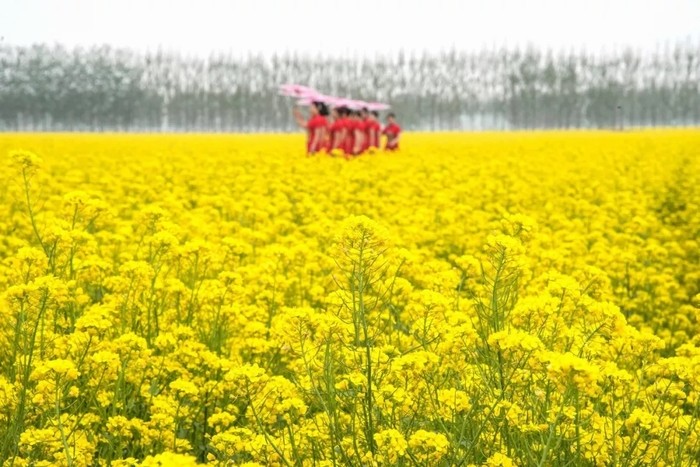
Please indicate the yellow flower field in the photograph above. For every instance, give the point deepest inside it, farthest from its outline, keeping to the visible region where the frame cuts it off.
(476, 299)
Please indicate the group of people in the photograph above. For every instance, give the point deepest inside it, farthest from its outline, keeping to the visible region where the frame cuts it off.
(341, 130)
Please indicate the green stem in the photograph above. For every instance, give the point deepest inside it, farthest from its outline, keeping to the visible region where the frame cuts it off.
(31, 212)
(64, 439)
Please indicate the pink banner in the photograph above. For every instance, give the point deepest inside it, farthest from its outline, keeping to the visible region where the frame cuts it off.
(307, 95)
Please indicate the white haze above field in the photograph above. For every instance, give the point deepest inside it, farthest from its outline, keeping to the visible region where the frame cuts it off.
(356, 27)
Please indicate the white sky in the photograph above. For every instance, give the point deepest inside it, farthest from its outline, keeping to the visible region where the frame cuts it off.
(351, 27)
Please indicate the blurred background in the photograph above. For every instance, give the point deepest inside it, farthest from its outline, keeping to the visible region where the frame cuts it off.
(215, 66)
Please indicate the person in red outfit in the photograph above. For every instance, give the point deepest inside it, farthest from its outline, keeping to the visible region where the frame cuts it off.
(357, 128)
(366, 129)
(392, 132)
(338, 129)
(374, 130)
(317, 126)
(350, 127)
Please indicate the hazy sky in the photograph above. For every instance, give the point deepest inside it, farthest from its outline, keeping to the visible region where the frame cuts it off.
(349, 27)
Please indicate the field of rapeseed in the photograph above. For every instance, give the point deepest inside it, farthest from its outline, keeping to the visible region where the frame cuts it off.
(511, 299)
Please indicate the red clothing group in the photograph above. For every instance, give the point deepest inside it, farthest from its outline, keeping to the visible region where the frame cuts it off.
(341, 135)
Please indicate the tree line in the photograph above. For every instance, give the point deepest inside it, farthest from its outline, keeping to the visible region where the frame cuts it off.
(103, 88)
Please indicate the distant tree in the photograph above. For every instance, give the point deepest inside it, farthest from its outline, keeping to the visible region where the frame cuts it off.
(106, 89)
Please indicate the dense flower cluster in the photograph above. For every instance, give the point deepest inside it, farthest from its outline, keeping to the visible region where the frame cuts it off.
(499, 300)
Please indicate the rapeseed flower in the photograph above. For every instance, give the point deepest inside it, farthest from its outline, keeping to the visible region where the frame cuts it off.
(216, 299)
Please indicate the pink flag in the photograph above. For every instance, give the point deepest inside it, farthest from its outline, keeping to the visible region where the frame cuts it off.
(297, 90)
(307, 95)
(377, 106)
